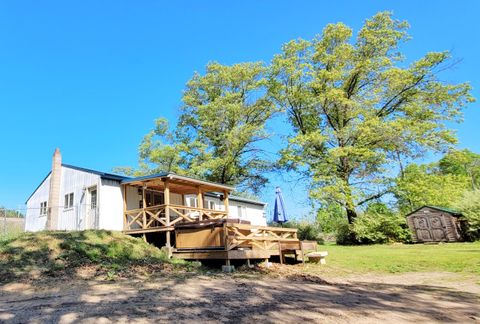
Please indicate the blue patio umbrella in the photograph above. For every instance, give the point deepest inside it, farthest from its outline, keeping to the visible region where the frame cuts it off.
(279, 212)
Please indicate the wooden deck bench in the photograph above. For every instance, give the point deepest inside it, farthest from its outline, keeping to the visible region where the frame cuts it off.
(298, 248)
(318, 257)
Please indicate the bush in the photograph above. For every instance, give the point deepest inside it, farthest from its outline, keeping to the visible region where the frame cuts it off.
(345, 235)
(469, 206)
(375, 227)
(308, 231)
(378, 224)
(330, 218)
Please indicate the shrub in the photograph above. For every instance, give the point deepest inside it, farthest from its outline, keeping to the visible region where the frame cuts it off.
(330, 217)
(469, 206)
(375, 227)
(309, 231)
(378, 224)
(345, 235)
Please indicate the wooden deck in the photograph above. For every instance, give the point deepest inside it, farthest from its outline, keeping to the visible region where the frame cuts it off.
(199, 233)
(231, 240)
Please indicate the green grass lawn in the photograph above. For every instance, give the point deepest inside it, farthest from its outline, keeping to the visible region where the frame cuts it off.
(448, 257)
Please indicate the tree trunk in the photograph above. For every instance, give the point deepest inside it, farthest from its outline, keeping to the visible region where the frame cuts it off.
(351, 215)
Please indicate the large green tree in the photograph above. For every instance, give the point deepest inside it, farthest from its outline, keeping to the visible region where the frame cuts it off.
(464, 163)
(357, 108)
(427, 184)
(220, 129)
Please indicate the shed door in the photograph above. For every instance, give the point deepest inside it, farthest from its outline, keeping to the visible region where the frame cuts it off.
(437, 228)
(430, 228)
(422, 229)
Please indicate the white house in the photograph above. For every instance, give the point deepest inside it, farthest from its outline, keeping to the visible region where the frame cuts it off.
(77, 198)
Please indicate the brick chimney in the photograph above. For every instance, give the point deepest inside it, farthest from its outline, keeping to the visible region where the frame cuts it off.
(54, 194)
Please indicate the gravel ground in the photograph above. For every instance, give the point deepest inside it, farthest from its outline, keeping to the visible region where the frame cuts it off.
(424, 297)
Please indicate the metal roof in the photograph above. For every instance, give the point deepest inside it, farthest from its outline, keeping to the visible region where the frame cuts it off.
(175, 176)
(444, 209)
(237, 198)
(103, 175)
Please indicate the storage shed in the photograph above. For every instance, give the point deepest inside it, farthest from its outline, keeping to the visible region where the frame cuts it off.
(434, 224)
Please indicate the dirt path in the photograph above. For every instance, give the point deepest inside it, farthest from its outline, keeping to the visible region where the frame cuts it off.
(237, 299)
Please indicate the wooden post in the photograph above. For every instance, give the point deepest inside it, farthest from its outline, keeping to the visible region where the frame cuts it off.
(303, 253)
(280, 252)
(125, 220)
(225, 201)
(200, 202)
(144, 205)
(166, 195)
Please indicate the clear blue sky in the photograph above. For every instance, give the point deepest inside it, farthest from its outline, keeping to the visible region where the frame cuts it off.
(91, 76)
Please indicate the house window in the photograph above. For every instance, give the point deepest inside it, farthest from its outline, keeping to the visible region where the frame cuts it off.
(68, 201)
(192, 202)
(211, 204)
(152, 198)
(241, 212)
(43, 208)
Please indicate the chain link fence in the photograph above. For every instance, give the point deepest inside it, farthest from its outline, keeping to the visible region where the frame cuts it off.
(72, 218)
(12, 222)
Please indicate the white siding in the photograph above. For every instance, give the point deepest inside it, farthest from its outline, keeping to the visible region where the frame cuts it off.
(74, 218)
(33, 221)
(254, 213)
(111, 205)
(77, 182)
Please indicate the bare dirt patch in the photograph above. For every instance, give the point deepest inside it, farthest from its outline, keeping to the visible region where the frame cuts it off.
(288, 296)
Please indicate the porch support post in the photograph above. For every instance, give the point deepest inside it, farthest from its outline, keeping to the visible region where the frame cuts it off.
(144, 215)
(125, 220)
(200, 202)
(225, 201)
(166, 195)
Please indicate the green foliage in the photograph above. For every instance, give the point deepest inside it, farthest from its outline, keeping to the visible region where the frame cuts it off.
(309, 231)
(356, 108)
(469, 206)
(330, 217)
(380, 225)
(6, 212)
(462, 163)
(426, 185)
(221, 125)
(345, 234)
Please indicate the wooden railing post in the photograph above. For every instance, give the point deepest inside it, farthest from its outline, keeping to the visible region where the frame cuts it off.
(225, 201)
(144, 215)
(200, 203)
(125, 217)
(166, 195)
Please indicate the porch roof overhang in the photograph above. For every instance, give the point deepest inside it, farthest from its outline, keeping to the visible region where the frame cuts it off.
(178, 183)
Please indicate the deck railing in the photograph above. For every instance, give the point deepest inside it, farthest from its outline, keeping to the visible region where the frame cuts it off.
(164, 217)
(259, 237)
